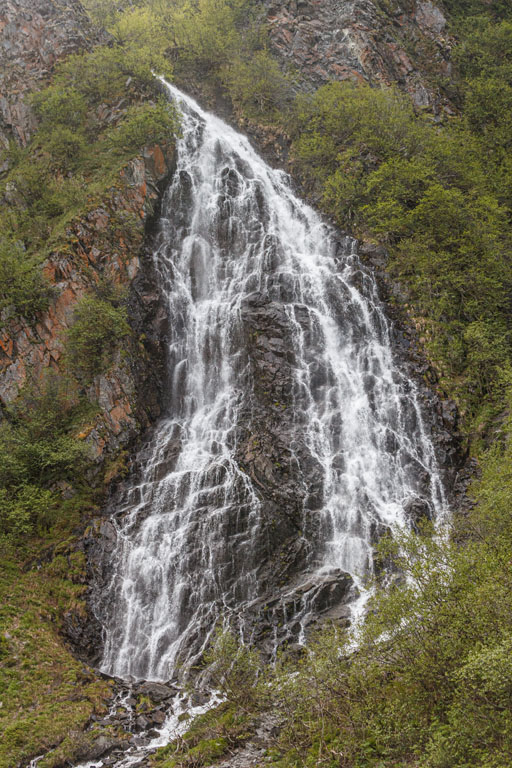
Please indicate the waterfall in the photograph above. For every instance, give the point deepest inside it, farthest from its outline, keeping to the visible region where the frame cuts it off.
(291, 439)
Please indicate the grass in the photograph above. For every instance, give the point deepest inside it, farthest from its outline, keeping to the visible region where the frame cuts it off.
(45, 692)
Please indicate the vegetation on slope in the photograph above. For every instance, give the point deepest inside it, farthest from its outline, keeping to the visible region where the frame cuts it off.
(211, 44)
(438, 196)
(426, 193)
(99, 111)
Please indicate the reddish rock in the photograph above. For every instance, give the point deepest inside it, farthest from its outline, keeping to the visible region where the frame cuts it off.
(327, 40)
(97, 246)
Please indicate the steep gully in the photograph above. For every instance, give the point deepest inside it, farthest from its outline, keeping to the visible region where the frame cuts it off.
(292, 440)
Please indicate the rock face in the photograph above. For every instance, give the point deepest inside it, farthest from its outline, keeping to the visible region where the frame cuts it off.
(106, 242)
(378, 41)
(34, 35)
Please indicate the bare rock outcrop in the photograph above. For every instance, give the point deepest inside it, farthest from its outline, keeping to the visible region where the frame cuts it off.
(34, 36)
(377, 41)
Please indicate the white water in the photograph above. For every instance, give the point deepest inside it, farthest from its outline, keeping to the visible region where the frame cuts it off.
(175, 725)
(231, 226)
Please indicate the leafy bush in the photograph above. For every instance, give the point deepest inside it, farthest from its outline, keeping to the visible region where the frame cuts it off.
(67, 147)
(98, 327)
(105, 74)
(462, 9)
(39, 449)
(29, 510)
(60, 105)
(22, 285)
(233, 667)
(207, 33)
(144, 124)
(257, 86)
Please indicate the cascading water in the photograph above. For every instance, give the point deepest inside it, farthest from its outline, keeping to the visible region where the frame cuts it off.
(236, 249)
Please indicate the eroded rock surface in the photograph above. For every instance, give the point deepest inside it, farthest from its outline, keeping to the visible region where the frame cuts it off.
(391, 41)
(34, 36)
(104, 243)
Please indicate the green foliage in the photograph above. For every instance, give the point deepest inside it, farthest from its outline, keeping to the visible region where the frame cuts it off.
(144, 124)
(219, 41)
(136, 26)
(38, 451)
(233, 667)
(60, 105)
(493, 9)
(207, 33)
(30, 508)
(66, 147)
(98, 327)
(478, 728)
(257, 86)
(47, 695)
(22, 285)
(92, 106)
(105, 74)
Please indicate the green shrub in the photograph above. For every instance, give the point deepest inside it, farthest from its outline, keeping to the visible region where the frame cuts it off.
(424, 191)
(207, 33)
(257, 86)
(462, 9)
(67, 148)
(22, 285)
(233, 667)
(28, 510)
(144, 124)
(39, 450)
(59, 105)
(106, 73)
(98, 327)
(478, 726)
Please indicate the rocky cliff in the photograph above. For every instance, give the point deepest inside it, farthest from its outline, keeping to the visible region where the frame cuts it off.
(34, 36)
(384, 42)
(103, 242)
(379, 41)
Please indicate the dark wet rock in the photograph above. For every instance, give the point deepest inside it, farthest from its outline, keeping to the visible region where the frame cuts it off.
(142, 723)
(417, 512)
(158, 717)
(157, 692)
(286, 615)
(100, 746)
